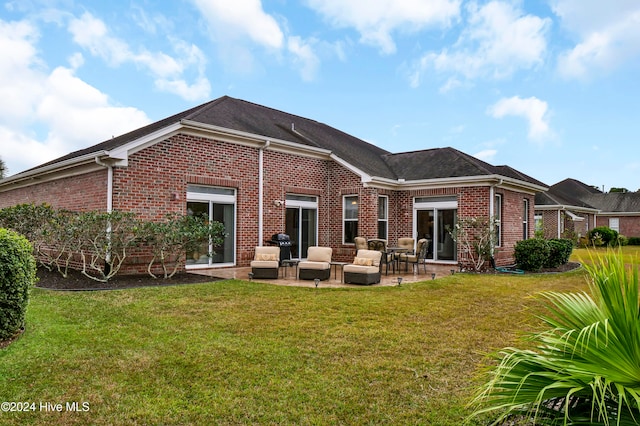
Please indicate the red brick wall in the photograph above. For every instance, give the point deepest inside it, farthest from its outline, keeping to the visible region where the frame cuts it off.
(629, 225)
(155, 183)
(78, 193)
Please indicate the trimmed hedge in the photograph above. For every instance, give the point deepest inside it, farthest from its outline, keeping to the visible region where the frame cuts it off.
(559, 252)
(532, 255)
(538, 253)
(17, 276)
(633, 241)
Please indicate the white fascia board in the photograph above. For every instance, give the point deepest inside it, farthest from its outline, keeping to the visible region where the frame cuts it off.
(615, 214)
(365, 177)
(122, 153)
(51, 171)
(483, 180)
(565, 207)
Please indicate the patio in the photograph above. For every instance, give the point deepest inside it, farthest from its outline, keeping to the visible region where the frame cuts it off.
(287, 276)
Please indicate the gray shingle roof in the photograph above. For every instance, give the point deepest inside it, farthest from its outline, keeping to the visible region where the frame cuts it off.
(243, 116)
(571, 192)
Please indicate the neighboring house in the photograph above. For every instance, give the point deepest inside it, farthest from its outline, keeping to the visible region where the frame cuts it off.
(261, 171)
(571, 208)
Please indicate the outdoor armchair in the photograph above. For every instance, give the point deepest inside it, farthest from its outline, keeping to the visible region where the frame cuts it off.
(317, 264)
(418, 258)
(266, 262)
(365, 268)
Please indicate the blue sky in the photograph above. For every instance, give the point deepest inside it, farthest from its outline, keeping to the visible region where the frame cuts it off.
(550, 88)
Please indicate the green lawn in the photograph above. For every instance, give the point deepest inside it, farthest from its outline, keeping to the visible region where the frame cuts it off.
(236, 352)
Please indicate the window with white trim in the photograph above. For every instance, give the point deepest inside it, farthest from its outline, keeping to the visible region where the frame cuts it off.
(349, 218)
(383, 216)
(614, 223)
(497, 222)
(525, 219)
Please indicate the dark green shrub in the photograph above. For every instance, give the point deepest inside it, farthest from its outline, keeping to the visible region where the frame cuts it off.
(603, 236)
(633, 241)
(532, 255)
(559, 252)
(17, 276)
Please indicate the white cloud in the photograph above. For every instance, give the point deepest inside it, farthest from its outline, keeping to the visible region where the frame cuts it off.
(608, 33)
(304, 56)
(376, 20)
(92, 34)
(499, 40)
(74, 114)
(486, 155)
(241, 19)
(531, 109)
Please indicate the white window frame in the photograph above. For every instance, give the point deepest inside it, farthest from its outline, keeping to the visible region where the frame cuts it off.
(614, 223)
(386, 216)
(345, 219)
(497, 219)
(220, 195)
(525, 220)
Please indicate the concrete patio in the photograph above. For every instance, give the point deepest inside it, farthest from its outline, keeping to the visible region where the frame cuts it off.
(287, 276)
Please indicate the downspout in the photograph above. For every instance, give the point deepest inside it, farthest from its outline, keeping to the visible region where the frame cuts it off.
(559, 222)
(261, 191)
(109, 207)
(109, 183)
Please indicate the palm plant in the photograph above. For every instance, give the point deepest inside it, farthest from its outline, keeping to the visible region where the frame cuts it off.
(585, 369)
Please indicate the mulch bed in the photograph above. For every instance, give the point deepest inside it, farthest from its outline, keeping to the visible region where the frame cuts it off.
(77, 281)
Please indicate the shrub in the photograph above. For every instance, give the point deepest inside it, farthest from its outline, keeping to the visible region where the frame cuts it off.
(633, 241)
(559, 252)
(603, 236)
(532, 255)
(17, 276)
(622, 240)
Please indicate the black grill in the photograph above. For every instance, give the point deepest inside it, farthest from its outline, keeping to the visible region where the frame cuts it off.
(284, 242)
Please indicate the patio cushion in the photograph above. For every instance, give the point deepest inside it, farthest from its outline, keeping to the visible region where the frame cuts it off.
(360, 269)
(319, 254)
(314, 265)
(266, 257)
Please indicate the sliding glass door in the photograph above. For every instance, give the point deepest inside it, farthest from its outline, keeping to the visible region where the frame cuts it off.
(434, 217)
(301, 224)
(217, 204)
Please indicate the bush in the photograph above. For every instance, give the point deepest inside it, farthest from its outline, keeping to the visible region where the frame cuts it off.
(532, 255)
(17, 276)
(633, 241)
(559, 252)
(603, 236)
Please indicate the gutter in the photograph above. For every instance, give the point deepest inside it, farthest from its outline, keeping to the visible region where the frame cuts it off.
(261, 191)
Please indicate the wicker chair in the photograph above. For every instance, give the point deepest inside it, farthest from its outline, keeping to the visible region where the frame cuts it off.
(266, 262)
(317, 264)
(365, 268)
(418, 258)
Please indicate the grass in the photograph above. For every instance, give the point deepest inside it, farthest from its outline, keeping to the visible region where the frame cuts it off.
(237, 352)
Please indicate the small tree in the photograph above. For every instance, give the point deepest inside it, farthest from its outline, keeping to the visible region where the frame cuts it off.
(105, 242)
(171, 239)
(475, 238)
(3, 169)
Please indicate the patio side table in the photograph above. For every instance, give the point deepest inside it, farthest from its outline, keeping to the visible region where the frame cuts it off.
(335, 271)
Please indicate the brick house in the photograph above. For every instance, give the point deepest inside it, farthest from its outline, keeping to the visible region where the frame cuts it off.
(261, 171)
(571, 208)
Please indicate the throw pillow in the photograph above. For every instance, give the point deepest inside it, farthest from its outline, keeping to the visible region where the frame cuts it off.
(363, 261)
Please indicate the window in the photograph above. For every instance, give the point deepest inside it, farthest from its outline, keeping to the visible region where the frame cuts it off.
(525, 220)
(497, 215)
(383, 217)
(614, 223)
(539, 226)
(350, 218)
